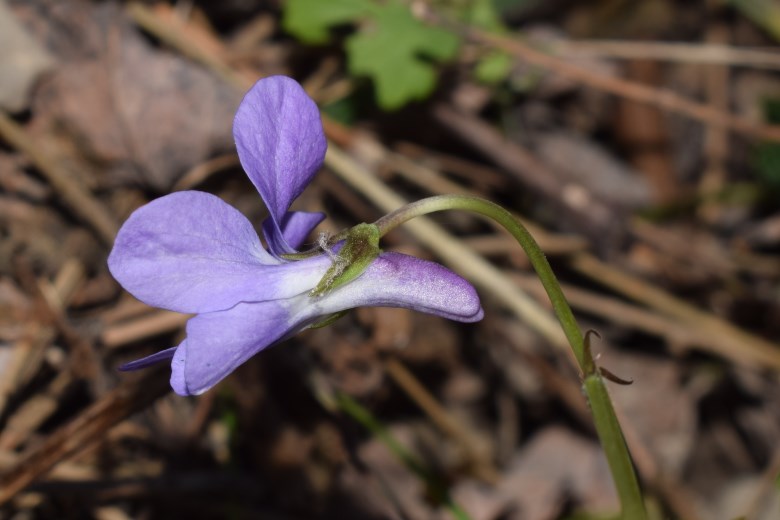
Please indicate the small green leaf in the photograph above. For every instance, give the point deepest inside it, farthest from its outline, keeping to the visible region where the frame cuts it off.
(483, 13)
(493, 68)
(310, 20)
(390, 50)
(391, 46)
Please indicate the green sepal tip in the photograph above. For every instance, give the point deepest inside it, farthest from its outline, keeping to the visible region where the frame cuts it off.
(361, 247)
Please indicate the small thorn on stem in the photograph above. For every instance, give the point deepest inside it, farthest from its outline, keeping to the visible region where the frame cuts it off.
(606, 374)
(591, 332)
(592, 368)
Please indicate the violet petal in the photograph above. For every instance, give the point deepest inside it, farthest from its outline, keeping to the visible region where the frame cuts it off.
(218, 342)
(397, 280)
(280, 142)
(296, 227)
(191, 252)
(148, 361)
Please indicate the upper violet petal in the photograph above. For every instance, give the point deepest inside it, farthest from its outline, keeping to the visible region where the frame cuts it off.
(280, 142)
(191, 252)
(397, 280)
(218, 342)
(295, 226)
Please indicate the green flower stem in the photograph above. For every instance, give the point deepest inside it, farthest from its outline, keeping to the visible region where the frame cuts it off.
(607, 426)
(611, 437)
(524, 238)
(361, 415)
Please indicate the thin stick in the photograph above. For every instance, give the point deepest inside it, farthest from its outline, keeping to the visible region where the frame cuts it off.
(620, 312)
(84, 431)
(725, 339)
(482, 468)
(174, 33)
(436, 184)
(33, 412)
(145, 326)
(204, 170)
(708, 53)
(591, 213)
(362, 415)
(661, 98)
(79, 200)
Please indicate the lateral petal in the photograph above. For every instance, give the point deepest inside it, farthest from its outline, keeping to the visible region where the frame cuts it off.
(191, 252)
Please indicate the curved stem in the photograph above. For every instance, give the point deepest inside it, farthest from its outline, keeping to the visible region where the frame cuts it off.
(518, 231)
(606, 422)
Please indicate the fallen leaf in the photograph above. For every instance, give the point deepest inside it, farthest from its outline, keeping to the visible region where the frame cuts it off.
(140, 114)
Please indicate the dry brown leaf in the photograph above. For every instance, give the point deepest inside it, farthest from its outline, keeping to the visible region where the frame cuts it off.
(141, 114)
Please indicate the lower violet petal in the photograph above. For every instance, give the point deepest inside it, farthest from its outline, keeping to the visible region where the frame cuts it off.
(218, 342)
(397, 280)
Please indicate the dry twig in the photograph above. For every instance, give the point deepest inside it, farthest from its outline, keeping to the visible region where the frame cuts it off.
(482, 468)
(661, 98)
(83, 204)
(706, 53)
(88, 428)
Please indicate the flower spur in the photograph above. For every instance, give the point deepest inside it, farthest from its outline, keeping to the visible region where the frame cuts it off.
(191, 252)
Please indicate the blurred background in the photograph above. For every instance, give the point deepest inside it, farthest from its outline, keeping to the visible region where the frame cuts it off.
(637, 141)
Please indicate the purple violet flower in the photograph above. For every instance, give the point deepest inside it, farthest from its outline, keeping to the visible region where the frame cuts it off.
(191, 252)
